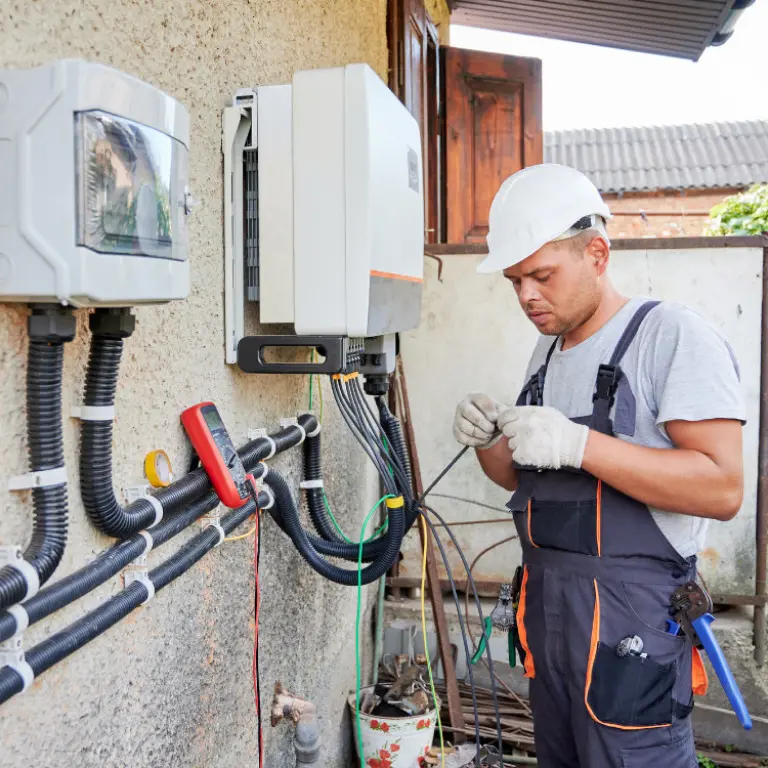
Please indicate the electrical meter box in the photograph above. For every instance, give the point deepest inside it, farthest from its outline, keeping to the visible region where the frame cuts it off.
(94, 198)
(334, 161)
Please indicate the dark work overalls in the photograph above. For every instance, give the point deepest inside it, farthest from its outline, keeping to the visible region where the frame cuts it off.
(596, 570)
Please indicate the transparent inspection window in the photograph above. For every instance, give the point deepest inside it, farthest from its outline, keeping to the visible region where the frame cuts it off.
(131, 185)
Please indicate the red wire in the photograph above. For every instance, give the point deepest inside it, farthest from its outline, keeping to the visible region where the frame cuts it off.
(256, 686)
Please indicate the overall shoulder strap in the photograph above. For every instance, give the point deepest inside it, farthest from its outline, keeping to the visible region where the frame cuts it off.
(633, 326)
(608, 376)
(535, 385)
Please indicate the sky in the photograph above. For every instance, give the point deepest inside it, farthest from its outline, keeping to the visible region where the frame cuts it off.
(629, 89)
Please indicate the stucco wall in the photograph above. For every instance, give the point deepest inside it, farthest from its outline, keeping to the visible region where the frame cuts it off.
(474, 337)
(171, 685)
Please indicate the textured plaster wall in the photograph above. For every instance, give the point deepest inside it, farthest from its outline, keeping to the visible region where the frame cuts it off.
(474, 337)
(171, 685)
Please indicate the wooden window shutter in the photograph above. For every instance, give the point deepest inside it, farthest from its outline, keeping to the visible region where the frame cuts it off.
(415, 78)
(493, 128)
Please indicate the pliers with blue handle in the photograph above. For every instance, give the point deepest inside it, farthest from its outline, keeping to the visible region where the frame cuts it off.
(692, 609)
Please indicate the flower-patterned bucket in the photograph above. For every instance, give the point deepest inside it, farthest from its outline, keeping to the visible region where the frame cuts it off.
(393, 742)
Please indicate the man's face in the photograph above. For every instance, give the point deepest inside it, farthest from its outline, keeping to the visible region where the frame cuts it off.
(558, 287)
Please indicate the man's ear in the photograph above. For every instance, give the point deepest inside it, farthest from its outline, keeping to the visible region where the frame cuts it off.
(599, 252)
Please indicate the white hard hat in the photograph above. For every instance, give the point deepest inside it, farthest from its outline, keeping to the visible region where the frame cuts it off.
(536, 206)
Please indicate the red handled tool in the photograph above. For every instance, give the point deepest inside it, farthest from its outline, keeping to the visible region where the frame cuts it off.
(211, 441)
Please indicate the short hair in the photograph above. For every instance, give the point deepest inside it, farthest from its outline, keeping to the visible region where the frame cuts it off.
(579, 243)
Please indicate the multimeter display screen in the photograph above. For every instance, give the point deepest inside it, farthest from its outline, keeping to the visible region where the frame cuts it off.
(212, 418)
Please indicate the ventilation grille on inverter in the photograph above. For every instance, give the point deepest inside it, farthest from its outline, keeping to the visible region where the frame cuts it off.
(251, 224)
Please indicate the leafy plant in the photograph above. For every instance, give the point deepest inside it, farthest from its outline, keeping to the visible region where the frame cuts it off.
(742, 214)
(705, 762)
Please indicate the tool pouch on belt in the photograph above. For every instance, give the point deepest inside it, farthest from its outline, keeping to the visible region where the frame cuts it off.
(636, 690)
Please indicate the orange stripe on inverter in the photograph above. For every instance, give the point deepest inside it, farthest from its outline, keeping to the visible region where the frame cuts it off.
(395, 276)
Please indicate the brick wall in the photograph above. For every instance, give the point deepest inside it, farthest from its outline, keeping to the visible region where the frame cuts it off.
(665, 213)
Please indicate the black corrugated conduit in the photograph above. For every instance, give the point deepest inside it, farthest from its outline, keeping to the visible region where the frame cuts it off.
(286, 515)
(49, 329)
(117, 557)
(64, 643)
(109, 328)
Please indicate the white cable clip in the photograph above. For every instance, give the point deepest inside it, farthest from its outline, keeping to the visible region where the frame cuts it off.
(261, 434)
(158, 507)
(93, 412)
(265, 473)
(21, 617)
(271, 502)
(43, 479)
(147, 536)
(139, 571)
(12, 556)
(316, 431)
(12, 656)
(309, 484)
(135, 492)
(294, 422)
(217, 525)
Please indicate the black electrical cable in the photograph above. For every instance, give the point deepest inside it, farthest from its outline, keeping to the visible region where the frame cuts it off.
(64, 643)
(471, 580)
(394, 432)
(448, 467)
(462, 628)
(348, 415)
(358, 399)
(329, 543)
(49, 328)
(286, 515)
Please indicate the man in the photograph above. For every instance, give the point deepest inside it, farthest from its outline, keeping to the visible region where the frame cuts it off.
(624, 442)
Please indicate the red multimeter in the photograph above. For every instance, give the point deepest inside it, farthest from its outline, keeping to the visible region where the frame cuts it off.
(211, 441)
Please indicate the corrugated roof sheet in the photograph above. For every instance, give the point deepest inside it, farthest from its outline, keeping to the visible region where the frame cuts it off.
(700, 156)
(682, 28)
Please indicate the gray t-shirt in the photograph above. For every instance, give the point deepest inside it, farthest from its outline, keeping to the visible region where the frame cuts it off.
(679, 367)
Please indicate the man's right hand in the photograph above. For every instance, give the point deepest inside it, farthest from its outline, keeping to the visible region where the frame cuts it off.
(475, 421)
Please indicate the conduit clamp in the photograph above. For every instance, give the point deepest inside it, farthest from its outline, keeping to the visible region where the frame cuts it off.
(45, 478)
(12, 656)
(271, 502)
(21, 617)
(147, 536)
(316, 431)
(139, 571)
(261, 434)
(260, 486)
(11, 555)
(310, 484)
(93, 412)
(217, 525)
(294, 422)
(158, 507)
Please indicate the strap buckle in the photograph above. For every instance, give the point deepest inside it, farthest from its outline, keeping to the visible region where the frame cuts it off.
(608, 377)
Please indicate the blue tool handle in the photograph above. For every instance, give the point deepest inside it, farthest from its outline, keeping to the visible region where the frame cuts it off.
(703, 628)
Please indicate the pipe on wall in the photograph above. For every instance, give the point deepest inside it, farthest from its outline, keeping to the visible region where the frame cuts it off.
(761, 533)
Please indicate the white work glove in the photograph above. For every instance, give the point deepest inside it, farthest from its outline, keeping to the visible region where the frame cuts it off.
(542, 437)
(475, 421)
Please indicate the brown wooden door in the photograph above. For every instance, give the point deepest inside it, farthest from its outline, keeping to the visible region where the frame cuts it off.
(415, 78)
(492, 127)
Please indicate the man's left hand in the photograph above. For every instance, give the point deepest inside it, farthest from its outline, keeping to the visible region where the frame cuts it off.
(542, 437)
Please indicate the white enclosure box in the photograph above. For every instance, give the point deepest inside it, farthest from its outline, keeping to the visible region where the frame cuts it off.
(358, 216)
(93, 199)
